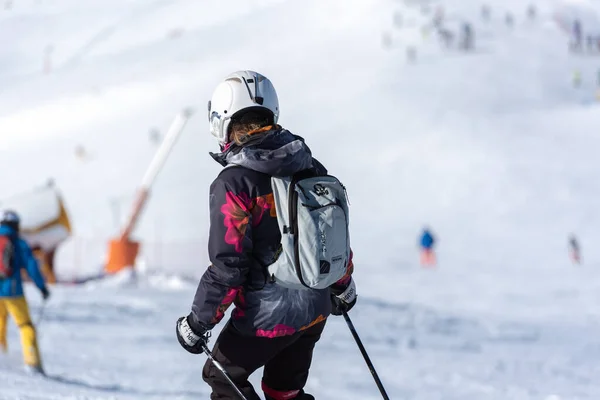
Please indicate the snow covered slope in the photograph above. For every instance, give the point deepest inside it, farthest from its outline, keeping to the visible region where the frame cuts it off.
(495, 149)
(447, 335)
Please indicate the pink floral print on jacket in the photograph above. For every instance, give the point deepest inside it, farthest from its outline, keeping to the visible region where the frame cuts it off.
(239, 210)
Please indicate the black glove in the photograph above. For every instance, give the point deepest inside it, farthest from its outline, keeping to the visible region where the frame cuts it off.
(45, 293)
(193, 340)
(343, 299)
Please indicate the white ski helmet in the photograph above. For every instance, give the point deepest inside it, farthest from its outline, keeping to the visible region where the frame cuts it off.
(240, 91)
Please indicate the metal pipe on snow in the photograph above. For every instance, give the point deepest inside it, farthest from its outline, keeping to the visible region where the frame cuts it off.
(165, 147)
(160, 157)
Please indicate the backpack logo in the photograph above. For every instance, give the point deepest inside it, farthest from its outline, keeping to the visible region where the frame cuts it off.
(6, 257)
(323, 242)
(320, 190)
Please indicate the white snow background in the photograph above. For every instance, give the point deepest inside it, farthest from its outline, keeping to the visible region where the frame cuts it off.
(495, 149)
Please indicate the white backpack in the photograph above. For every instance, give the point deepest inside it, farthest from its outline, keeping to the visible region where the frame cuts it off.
(312, 214)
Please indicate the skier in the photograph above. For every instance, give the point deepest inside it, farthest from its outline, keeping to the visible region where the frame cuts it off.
(16, 255)
(531, 12)
(509, 19)
(486, 12)
(574, 249)
(590, 43)
(577, 35)
(411, 54)
(426, 243)
(271, 326)
(467, 37)
(446, 36)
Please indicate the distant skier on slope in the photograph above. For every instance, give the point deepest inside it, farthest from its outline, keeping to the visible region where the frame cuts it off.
(15, 255)
(467, 42)
(590, 42)
(577, 44)
(438, 17)
(486, 12)
(272, 325)
(509, 20)
(574, 249)
(531, 12)
(426, 244)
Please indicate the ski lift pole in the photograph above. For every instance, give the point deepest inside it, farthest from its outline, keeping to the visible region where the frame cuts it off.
(155, 166)
(365, 356)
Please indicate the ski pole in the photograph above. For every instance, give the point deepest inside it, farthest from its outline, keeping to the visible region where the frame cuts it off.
(225, 374)
(365, 356)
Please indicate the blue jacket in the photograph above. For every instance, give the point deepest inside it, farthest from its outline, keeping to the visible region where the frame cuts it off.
(427, 240)
(13, 286)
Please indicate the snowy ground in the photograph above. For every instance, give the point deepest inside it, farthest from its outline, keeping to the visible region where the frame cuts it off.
(471, 338)
(496, 150)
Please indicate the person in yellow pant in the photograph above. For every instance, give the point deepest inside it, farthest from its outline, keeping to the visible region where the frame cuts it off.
(15, 254)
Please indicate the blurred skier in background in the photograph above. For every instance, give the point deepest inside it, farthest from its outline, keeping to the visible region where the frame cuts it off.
(577, 43)
(574, 249)
(398, 19)
(531, 12)
(509, 19)
(486, 12)
(426, 244)
(577, 79)
(438, 17)
(590, 42)
(467, 37)
(15, 255)
(271, 326)
(446, 36)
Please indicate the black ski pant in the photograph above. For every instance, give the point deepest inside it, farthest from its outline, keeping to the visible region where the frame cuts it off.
(286, 362)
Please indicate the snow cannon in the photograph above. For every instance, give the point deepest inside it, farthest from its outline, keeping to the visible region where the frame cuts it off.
(123, 250)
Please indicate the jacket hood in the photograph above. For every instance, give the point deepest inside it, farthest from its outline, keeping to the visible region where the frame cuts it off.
(276, 152)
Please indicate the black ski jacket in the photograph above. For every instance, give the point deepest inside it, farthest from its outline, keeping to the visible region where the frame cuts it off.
(244, 238)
